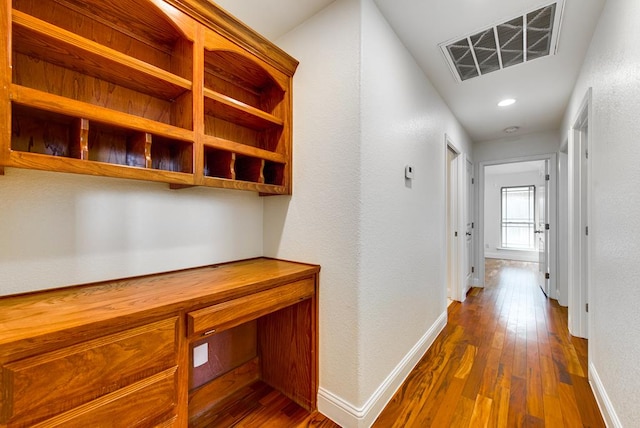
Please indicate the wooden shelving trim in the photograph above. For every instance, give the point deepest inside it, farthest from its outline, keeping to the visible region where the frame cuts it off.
(242, 149)
(33, 36)
(238, 112)
(245, 185)
(57, 104)
(44, 162)
(227, 25)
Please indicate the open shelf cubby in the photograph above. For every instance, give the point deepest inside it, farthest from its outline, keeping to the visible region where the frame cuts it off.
(42, 132)
(171, 155)
(116, 145)
(219, 163)
(274, 173)
(249, 169)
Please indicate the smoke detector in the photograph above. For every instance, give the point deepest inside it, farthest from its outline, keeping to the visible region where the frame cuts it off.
(523, 38)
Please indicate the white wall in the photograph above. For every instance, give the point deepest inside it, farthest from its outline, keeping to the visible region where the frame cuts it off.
(492, 212)
(64, 229)
(320, 222)
(512, 147)
(363, 110)
(403, 260)
(611, 69)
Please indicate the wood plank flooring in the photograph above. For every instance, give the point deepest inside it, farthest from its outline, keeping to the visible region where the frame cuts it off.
(505, 359)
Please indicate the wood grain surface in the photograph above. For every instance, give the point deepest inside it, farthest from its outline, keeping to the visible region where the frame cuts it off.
(505, 359)
(66, 314)
(149, 67)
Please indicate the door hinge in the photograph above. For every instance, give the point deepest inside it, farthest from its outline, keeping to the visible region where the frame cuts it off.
(586, 230)
(546, 177)
(586, 154)
(473, 181)
(473, 269)
(472, 225)
(546, 226)
(586, 307)
(546, 275)
(455, 234)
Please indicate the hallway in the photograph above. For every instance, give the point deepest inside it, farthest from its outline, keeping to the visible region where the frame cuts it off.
(505, 358)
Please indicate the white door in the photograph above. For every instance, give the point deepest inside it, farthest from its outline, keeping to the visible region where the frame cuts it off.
(542, 230)
(469, 223)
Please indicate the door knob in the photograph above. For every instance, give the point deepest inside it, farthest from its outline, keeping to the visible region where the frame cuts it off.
(468, 234)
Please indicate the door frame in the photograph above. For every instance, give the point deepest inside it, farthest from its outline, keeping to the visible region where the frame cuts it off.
(578, 248)
(553, 228)
(456, 252)
(469, 210)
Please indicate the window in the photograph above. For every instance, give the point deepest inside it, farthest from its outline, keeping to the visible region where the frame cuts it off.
(517, 221)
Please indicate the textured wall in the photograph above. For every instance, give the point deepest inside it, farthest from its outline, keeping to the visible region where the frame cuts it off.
(402, 278)
(320, 222)
(363, 110)
(611, 69)
(63, 229)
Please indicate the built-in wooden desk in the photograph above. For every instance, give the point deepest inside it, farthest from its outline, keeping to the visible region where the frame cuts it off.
(122, 351)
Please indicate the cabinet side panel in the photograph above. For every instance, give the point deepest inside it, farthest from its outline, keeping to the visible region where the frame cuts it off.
(287, 351)
(5, 82)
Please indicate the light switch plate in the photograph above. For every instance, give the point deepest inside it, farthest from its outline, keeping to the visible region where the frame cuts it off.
(408, 171)
(200, 355)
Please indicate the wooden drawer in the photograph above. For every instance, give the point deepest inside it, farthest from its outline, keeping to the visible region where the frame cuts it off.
(149, 403)
(40, 387)
(229, 314)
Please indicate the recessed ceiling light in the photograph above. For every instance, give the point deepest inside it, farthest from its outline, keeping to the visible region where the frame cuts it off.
(511, 129)
(507, 102)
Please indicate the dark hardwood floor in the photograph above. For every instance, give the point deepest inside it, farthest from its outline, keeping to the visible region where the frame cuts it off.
(505, 359)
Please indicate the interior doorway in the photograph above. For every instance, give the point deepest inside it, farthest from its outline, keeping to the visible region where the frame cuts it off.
(526, 231)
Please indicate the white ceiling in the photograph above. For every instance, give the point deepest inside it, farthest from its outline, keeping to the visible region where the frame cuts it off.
(542, 87)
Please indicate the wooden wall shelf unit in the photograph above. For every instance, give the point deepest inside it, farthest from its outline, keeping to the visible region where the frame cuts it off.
(120, 353)
(175, 91)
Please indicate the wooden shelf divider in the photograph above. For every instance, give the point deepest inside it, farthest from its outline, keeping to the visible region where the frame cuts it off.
(81, 139)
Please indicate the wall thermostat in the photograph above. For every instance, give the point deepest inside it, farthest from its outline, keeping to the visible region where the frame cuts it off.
(408, 171)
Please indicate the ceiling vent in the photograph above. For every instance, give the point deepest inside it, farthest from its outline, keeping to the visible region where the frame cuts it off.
(515, 41)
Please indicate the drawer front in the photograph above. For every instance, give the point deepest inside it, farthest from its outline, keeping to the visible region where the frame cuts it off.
(229, 314)
(39, 387)
(148, 403)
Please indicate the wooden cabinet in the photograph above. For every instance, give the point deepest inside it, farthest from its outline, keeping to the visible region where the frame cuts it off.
(120, 353)
(171, 91)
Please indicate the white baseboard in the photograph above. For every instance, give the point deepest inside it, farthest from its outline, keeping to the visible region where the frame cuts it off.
(520, 256)
(606, 407)
(347, 415)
